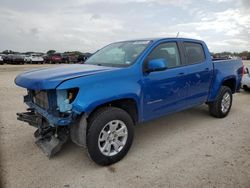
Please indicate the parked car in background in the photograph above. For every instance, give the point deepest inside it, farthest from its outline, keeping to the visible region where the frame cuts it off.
(56, 58)
(47, 58)
(27, 59)
(72, 58)
(131, 82)
(69, 57)
(6, 58)
(245, 84)
(83, 57)
(16, 59)
(34, 58)
(1, 60)
(65, 58)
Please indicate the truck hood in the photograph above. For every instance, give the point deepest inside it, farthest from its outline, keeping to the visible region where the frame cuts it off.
(50, 78)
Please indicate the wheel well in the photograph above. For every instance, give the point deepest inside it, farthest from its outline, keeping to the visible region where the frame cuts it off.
(129, 105)
(231, 83)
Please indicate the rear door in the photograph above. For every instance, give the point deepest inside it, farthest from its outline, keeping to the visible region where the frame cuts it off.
(199, 72)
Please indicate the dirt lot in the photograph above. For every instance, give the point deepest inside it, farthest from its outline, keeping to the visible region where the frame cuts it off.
(186, 149)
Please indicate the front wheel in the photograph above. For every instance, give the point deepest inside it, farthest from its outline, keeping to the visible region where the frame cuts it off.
(110, 135)
(221, 107)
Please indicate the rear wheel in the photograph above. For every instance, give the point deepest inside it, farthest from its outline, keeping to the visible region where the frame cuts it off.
(110, 135)
(221, 107)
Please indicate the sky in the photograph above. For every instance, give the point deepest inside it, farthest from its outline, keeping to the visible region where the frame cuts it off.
(88, 25)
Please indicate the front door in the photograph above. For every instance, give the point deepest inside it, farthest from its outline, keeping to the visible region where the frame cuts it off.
(164, 91)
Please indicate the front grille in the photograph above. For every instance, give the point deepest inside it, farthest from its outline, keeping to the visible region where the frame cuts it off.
(41, 99)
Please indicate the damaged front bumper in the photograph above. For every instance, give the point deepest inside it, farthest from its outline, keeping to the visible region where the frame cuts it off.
(49, 139)
(51, 119)
(52, 130)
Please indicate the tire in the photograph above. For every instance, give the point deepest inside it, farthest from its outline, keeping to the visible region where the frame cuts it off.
(101, 121)
(216, 108)
(245, 88)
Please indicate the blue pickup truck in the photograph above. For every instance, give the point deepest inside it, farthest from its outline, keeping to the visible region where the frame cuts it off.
(97, 104)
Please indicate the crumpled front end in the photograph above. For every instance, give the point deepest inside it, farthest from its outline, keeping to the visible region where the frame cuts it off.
(53, 105)
(50, 111)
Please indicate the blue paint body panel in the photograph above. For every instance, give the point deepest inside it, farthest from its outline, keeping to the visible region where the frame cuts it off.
(49, 78)
(155, 94)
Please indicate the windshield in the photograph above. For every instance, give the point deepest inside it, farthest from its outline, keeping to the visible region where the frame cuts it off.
(119, 54)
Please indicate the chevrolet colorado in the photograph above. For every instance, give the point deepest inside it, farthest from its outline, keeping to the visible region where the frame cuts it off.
(97, 103)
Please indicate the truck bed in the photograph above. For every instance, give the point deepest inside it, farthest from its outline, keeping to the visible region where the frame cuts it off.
(224, 70)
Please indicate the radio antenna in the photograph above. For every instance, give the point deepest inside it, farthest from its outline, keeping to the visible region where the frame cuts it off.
(177, 35)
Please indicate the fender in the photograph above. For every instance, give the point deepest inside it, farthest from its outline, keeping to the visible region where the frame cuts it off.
(218, 82)
(98, 90)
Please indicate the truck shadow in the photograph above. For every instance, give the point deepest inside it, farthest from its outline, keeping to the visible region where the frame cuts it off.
(172, 123)
(166, 125)
(245, 91)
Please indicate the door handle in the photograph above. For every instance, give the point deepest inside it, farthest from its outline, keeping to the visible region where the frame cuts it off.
(181, 73)
(206, 69)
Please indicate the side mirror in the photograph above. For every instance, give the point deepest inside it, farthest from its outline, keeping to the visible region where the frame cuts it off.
(156, 65)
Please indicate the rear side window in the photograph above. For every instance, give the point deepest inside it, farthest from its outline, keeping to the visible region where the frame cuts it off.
(195, 52)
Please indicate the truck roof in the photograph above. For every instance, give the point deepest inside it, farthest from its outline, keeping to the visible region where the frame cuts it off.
(164, 38)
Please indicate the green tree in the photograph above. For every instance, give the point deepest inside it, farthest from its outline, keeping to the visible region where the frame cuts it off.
(50, 52)
(8, 52)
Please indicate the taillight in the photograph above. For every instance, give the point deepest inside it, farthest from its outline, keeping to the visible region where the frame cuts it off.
(243, 70)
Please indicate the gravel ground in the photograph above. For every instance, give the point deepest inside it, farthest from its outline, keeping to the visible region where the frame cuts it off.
(185, 149)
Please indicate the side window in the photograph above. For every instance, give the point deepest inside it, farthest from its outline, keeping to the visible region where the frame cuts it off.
(195, 52)
(169, 52)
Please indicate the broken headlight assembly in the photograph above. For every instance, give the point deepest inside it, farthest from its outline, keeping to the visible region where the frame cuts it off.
(65, 99)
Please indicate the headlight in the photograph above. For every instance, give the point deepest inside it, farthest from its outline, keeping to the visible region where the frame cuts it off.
(65, 98)
(72, 93)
